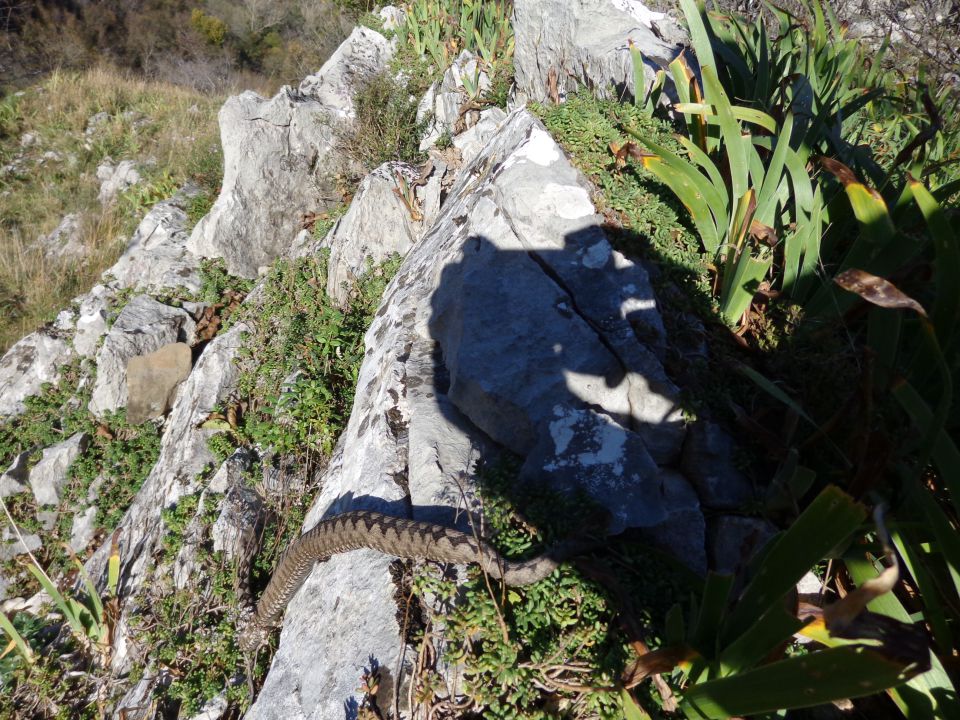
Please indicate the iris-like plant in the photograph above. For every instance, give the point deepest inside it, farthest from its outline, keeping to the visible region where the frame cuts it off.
(440, 29)
(724, 647)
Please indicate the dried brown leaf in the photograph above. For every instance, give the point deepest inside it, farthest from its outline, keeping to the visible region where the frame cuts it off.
(877, 290)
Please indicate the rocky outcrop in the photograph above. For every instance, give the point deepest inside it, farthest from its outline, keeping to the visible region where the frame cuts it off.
(512, 327)
(157, 257)
(275, 166)
(571, 44)
(143, 327)
(515, 266)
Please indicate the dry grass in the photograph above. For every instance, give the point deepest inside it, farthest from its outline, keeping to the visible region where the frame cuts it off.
(171, 132)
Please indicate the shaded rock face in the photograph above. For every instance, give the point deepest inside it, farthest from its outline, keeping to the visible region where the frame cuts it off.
(584, 43)
(274, 158)
(507, 323)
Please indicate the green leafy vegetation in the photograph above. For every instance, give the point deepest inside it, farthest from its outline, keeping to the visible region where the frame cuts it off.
(822, 201)
(553, 648)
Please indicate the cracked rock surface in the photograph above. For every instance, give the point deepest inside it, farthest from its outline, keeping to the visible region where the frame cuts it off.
(515, 266)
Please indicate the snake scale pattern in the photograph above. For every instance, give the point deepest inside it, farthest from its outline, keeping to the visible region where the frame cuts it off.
(408, 539)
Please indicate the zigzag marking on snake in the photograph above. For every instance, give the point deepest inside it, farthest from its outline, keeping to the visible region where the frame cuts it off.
(408, 539)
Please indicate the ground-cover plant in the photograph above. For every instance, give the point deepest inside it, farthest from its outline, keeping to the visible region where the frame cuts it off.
(555, 648)
(50, 149)
(730, 650)
(299, 368)
(298, 371)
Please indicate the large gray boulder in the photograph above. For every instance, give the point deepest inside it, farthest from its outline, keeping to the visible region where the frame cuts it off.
(143, 326)
(584, 43)
(506, 321)
(275, 158)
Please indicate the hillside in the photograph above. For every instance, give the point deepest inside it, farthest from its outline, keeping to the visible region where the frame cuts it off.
(527, 359)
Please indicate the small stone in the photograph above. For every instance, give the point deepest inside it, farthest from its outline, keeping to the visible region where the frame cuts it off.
(14, 548)
(48, 519)
(95, 121)
(84, 529)
(114, 180)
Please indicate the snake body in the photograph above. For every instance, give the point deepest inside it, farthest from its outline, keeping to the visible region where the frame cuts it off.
(400, 537)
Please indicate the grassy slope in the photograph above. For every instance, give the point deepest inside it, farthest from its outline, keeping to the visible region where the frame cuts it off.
(169, 131)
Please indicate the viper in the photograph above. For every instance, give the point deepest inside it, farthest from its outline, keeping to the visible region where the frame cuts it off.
(400, 537)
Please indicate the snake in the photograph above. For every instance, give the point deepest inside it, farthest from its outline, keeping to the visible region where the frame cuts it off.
(400, 537)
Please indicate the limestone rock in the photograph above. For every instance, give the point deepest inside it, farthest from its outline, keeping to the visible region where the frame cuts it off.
(66, 240)
(708, 463)
(485, 331)
(683, 533)
(114, 179)
(11, 546)
(183, 456)
(236, 527)
(91, 323)
(152, 380)
(142, 327)
(377, 225)
(231, 471)
(84, 529)
(157, 257)
(275, 166)
(472, 140)
(49, 475)
(442, 102)
(361, 56)
(14, 479)
(733, 540)
(392, 17)
(584, 43)
(34, 360)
